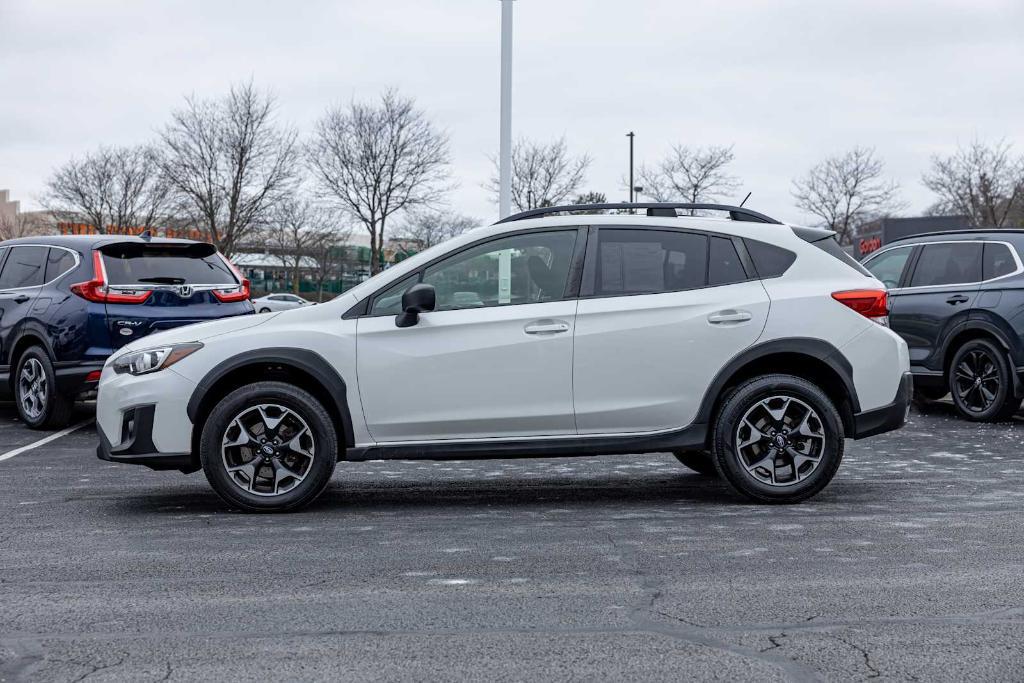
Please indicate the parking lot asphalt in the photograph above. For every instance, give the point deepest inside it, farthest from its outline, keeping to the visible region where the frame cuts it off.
(909, 566)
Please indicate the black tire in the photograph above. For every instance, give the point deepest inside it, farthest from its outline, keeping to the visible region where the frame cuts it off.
(991, 399)
(264, 310)
(811, 475)
(698, 461)
(241, 402)
(40, 405)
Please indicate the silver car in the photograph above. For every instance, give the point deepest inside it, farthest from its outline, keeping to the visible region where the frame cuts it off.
(279, 302)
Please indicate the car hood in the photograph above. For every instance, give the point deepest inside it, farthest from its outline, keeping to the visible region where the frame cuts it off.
(200, 331)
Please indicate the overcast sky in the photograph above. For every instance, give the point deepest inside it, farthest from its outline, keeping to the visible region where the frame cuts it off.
(785, 82)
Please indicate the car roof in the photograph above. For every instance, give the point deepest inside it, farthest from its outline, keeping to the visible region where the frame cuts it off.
(967, 233)
(82, 242)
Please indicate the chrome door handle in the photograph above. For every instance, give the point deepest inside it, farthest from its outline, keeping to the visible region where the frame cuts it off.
(729, 316)
(546, 327)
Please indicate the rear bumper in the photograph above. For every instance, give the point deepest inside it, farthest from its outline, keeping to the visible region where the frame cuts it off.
(137, 446)
(888, 417)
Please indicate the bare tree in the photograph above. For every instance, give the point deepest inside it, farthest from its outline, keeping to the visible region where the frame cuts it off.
(296, 226)
(374, 160)
(542, 174)
(846, 191)
(326, 252)
(113, 186)
(229, 162)
(983, 182)
(690, 174)
(433, 226)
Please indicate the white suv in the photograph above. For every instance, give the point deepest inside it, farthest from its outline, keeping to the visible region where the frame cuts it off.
(746, 347)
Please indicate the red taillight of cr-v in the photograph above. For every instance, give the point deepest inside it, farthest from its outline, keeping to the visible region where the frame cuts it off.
(97, 289)
(239, 292)
(871, 303)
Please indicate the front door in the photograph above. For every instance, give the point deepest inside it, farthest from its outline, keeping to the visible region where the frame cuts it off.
(661, 313)
(493, 360)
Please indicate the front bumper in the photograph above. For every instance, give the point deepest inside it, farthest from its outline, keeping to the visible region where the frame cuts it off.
(137, 446)
(888, 417)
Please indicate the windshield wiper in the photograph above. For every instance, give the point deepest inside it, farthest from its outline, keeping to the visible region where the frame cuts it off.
(163, 280)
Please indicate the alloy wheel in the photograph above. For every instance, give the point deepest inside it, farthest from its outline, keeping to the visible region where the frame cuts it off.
(32, 388)
(268, 449)
(976, 380)
(780, 440)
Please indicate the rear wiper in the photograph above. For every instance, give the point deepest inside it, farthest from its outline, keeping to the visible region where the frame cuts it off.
(163, 280)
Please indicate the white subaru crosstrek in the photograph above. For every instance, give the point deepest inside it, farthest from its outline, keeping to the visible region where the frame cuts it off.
(748, 348)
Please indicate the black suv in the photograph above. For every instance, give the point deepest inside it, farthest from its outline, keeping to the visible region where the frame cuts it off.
(957, 298)
(67, 303)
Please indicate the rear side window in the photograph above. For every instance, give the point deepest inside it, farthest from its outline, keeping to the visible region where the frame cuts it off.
(998, 261)
(724, 265)
(135, 264)
(24, 267)
(888, 266)
(649, 261)
(57, 263)
(948, 263)
(769, 260)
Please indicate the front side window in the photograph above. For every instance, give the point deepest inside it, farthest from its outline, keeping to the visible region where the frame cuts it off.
(888, 266)
(24, 267)
(522, 269)
(648, 262)
(948, 263)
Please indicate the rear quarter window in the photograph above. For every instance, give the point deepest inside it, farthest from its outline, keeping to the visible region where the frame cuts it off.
(769, 260)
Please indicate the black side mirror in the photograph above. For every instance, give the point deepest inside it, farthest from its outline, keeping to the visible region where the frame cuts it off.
(417, 299)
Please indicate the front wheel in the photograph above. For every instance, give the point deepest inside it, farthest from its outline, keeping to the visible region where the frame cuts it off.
(40, 404)
(778, 439)
(981, 384)
(264, 310)
(268, 447)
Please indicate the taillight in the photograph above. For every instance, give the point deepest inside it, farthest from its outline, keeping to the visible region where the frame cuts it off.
(239, 292)
(870, 303)
(97, 290)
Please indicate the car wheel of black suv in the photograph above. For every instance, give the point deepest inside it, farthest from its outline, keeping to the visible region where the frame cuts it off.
(268, 447)
(698, 461)
(778, 439)
(981, 382)
(40, 404)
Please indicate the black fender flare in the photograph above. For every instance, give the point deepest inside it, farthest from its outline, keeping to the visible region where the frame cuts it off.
(309, 362)
(815, 348)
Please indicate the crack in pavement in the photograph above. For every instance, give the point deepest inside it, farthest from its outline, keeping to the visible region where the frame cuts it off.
(875, 673)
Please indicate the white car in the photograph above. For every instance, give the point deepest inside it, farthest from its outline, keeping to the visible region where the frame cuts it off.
(746, 347)
(279, 302)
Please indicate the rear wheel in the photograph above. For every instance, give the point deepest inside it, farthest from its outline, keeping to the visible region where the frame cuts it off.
(698, 461)
(268, 447)
(264, 310)
(981, 382)
(778, 439)
(40, 404)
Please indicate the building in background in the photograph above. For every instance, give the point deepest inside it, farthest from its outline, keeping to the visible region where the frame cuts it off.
(9, 210)
(872, 236)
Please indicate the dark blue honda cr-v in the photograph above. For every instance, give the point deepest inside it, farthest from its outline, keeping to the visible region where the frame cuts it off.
(66, 303)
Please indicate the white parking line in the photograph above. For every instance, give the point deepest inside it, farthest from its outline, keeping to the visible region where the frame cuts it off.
(42, 442)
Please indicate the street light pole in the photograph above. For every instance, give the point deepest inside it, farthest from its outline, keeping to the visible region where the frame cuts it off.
(630, 135)
(505, 126)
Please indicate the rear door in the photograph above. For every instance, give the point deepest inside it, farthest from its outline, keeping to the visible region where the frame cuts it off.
(936, 296)
(661, 312)
(178, 284)
(20, 277)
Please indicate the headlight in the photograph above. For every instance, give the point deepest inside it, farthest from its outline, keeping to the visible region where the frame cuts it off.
(151, 360)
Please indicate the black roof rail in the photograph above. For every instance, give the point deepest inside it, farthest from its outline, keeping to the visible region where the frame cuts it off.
(666, 209)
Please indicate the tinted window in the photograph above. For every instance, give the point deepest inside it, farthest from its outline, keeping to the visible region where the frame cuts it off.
(522, 269)
(947, 264)
(198, 264)
(649, 261)
(769, 260)
(724, 265)
(888, 266)
(57, 263)
(998, 261)
(24, 267)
